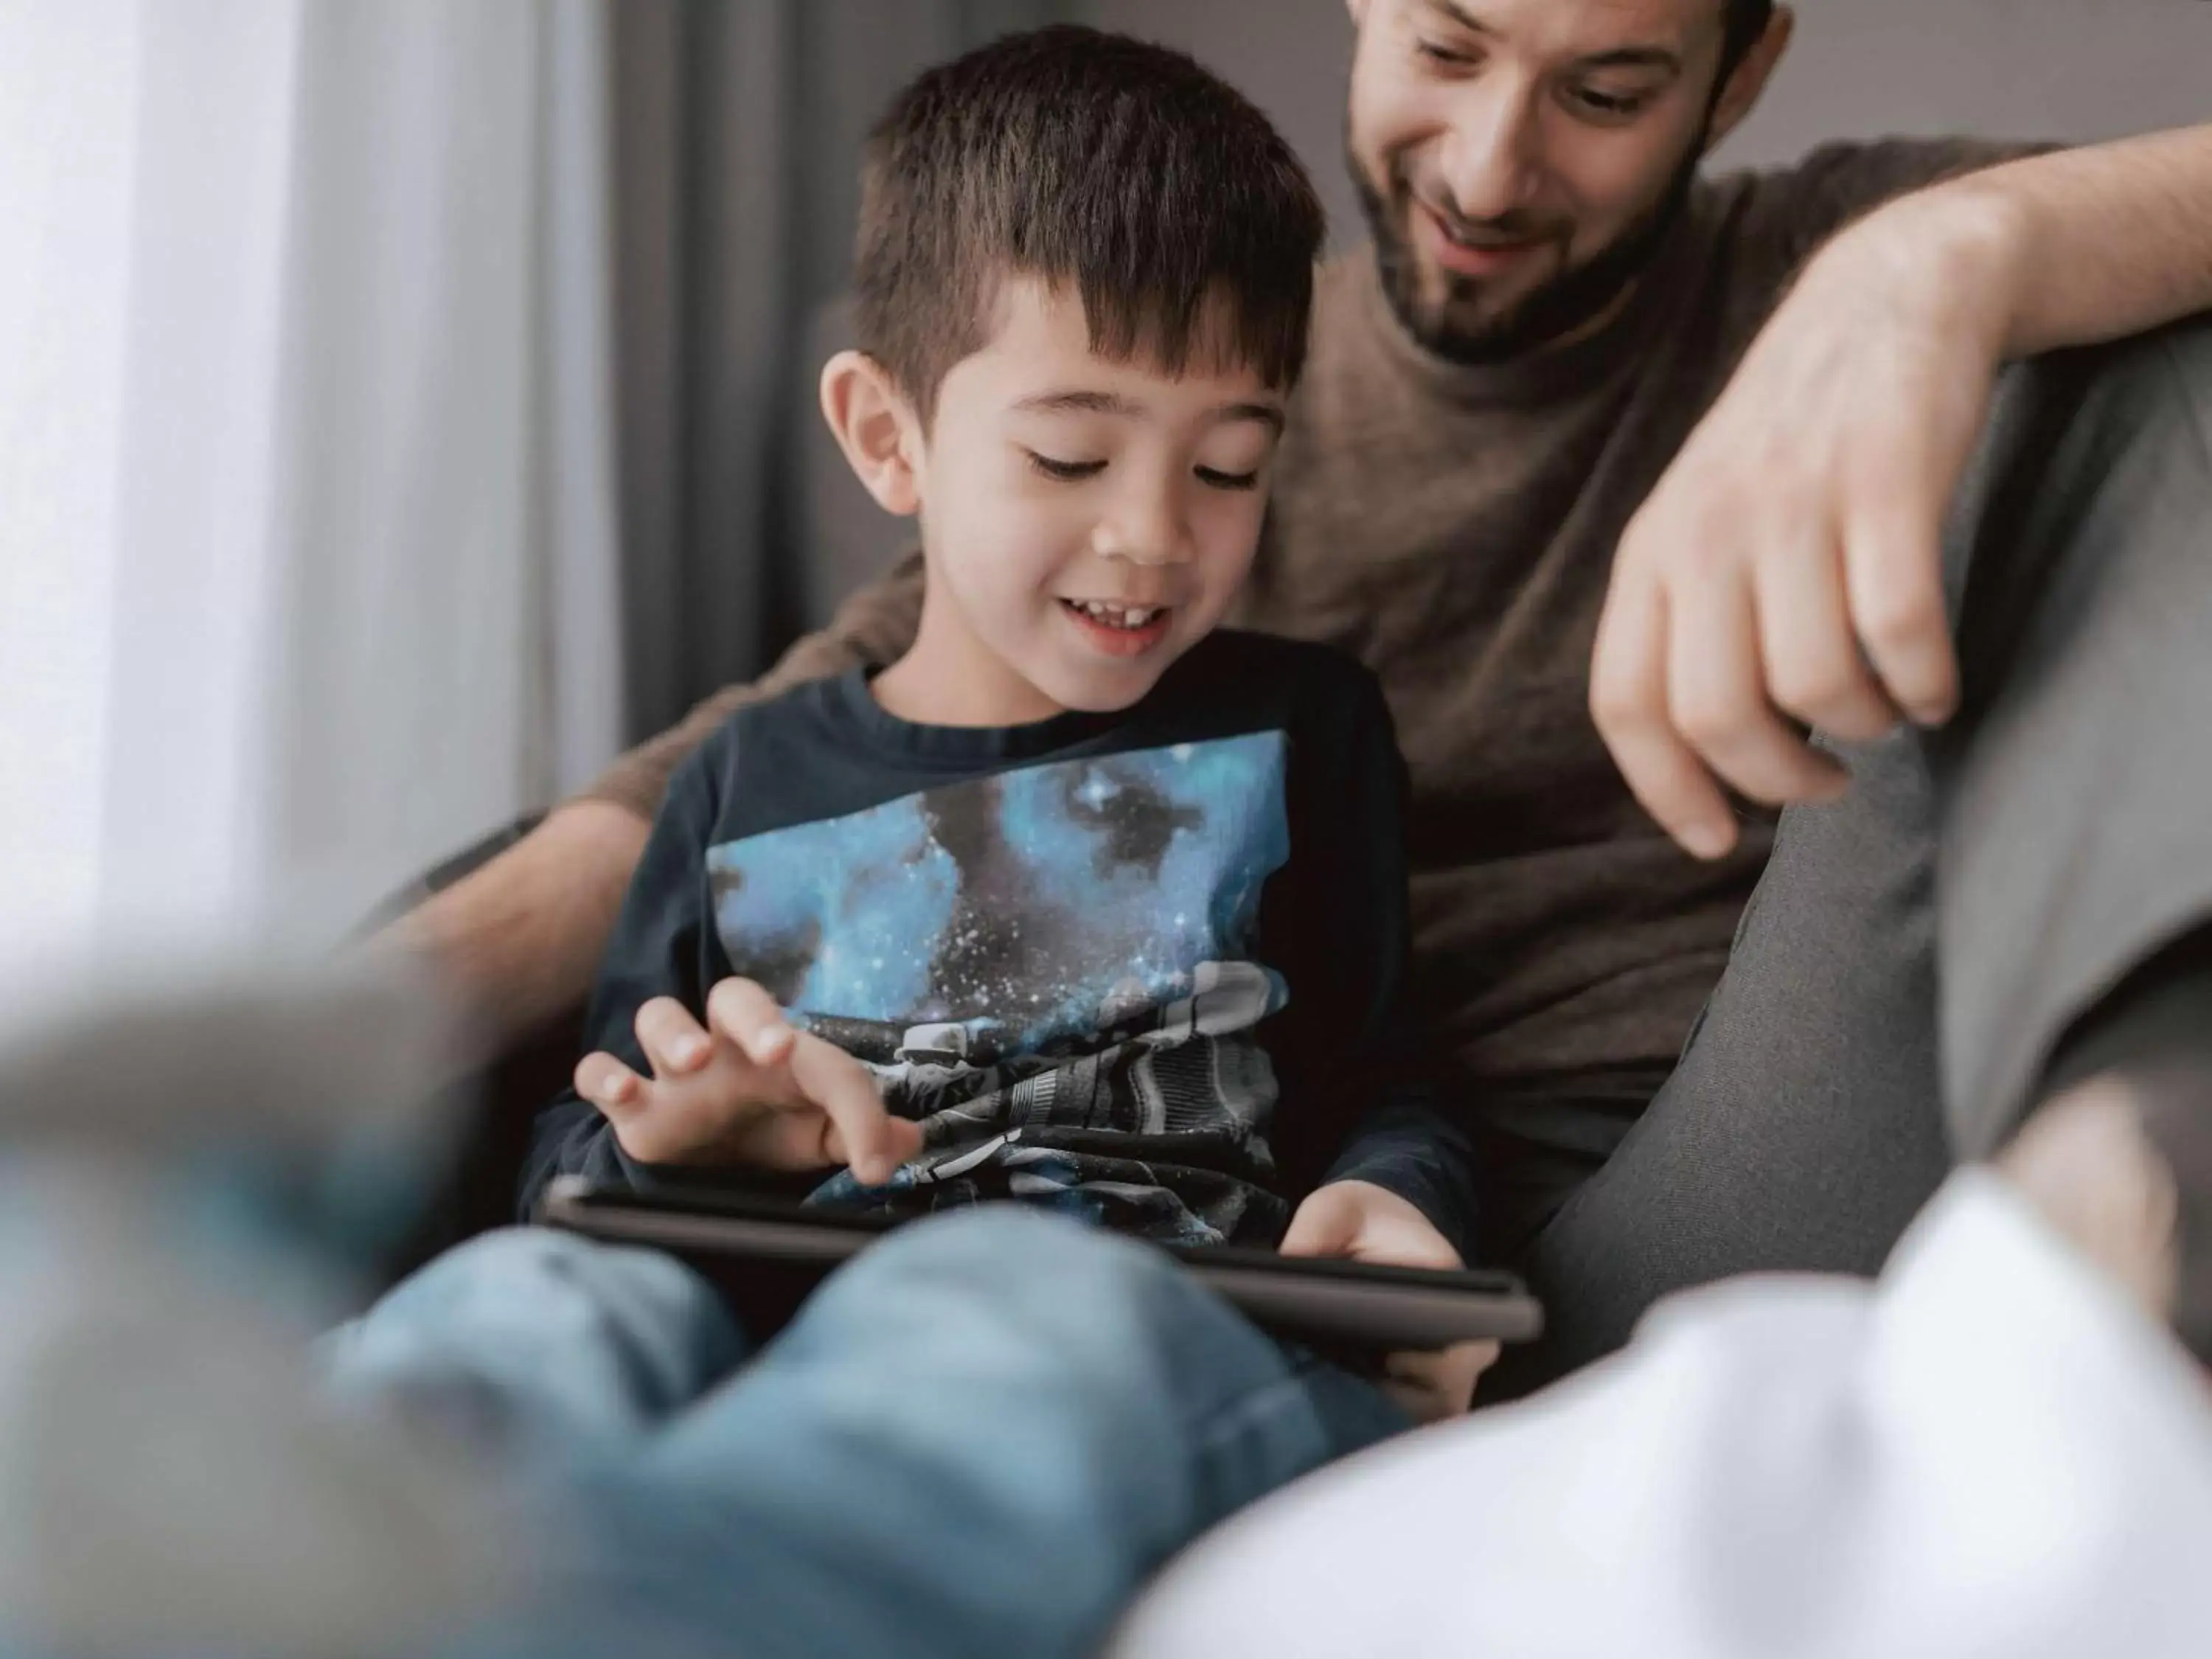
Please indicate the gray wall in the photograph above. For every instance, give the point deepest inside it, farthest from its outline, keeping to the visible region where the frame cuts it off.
(2028, 69)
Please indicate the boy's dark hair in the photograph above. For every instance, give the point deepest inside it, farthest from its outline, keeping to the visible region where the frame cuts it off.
(1121, 170)
(1747, 22)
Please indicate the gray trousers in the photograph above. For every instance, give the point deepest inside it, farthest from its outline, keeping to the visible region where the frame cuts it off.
(1914, 952)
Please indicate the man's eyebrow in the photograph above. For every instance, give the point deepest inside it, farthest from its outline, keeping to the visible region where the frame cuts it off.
(1658, 58)
(1647, 57)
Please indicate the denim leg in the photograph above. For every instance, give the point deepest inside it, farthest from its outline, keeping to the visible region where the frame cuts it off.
(979, 1439)
(535, 1341)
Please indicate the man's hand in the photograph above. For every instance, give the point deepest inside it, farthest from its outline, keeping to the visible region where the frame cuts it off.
(1786, 572)
(1367, 1223)
(744, 1088)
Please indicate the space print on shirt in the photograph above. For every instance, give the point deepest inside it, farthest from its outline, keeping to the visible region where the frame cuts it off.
(1052, 969)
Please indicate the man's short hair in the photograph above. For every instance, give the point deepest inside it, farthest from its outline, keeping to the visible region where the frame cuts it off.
(1747, 22)
(1119, 170)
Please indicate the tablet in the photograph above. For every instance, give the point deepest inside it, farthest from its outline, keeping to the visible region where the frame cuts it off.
(766, 1255)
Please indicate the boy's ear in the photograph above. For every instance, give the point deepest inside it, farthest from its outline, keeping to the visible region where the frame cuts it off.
(875, 426)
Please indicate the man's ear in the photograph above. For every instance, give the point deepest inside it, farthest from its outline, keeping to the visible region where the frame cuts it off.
(876, 428)
(1748, 81)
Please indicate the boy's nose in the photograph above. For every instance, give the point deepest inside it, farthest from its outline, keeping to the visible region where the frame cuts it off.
(1149, 532)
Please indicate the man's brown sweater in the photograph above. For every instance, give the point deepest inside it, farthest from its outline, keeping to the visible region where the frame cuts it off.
(1454, 528)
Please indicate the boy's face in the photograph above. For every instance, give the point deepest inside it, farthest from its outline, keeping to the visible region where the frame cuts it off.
(1090, 521)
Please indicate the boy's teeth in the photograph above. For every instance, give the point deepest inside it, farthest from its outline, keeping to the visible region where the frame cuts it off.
(1116, 615)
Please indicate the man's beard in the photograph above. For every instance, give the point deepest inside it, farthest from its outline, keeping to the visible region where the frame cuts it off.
(1561, 308)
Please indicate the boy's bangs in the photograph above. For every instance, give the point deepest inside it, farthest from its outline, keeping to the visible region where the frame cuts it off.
(1211, 329)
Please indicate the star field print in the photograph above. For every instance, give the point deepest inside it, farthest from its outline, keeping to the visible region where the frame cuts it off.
(1030, 960)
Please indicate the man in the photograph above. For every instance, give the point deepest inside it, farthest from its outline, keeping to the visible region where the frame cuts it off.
(1566, 449)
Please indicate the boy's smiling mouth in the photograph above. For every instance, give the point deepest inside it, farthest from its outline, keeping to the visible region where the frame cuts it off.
(1120, 630)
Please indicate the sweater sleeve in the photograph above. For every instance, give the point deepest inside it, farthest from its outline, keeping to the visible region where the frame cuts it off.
(874, 627)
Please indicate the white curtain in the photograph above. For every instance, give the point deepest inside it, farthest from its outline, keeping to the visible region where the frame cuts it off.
(307, 549)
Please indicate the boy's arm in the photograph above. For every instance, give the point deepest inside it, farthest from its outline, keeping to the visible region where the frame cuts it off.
(1367, 1115)
(521, 936)
(658, 950)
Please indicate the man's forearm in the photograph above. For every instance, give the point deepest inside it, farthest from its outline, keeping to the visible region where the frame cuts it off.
(522, 937)
(2071, 249)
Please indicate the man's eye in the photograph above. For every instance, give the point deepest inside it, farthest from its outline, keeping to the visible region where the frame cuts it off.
(1064, 472)
(1445, 57)
(1608, 105)
(1219, 480)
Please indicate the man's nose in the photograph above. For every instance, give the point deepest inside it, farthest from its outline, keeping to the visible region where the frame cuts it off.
(1489, 150)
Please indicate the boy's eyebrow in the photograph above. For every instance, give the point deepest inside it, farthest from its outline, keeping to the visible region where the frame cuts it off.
(1107, 403)
(1652, 57)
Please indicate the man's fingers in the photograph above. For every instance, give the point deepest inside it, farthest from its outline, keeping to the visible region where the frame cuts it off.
(674, 1042)
(1893, 576)
(608, 1083)
(1716, 696)
(1628, 701)
(873, 1142)
(745, 1013)
(1815, 670)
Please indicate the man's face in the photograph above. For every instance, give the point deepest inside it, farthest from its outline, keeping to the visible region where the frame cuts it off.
(1519, 160)
(1090, 520)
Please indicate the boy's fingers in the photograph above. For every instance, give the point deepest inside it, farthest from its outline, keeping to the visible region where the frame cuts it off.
(745, 1013)
(673, 1042)
(1326, 1224)
(1442, 1383)
(873, 1142)
(608, 1083)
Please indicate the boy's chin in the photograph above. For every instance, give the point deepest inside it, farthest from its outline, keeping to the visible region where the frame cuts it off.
(1087, 690)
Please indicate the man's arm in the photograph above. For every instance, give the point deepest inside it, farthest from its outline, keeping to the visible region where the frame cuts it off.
(1787, 568)
(522, 936)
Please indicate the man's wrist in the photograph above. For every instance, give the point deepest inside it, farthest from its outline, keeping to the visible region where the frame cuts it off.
(1948, 263)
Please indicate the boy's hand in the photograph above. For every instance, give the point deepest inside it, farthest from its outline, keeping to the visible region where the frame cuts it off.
(1362, 1222)
(746, 1089)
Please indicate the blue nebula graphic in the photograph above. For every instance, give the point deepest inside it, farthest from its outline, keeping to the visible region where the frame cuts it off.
(1034, 901)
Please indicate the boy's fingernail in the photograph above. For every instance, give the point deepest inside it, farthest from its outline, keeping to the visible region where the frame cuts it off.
(690, 1051)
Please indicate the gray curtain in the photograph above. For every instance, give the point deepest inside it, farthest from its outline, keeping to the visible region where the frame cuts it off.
(737, 133)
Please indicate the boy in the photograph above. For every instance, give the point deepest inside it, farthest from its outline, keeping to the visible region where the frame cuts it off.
(1081, 904)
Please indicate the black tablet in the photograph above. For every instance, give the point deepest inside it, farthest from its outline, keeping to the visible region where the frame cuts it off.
(767, 1256)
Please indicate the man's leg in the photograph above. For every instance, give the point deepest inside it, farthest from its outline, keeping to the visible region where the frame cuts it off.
(979, 1439)
(1802, 1128)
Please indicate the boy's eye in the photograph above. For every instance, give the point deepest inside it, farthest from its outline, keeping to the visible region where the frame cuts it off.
(1219, 480)
(1064, 472)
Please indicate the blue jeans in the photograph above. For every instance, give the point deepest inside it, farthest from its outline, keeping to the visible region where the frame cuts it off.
(980, 1438)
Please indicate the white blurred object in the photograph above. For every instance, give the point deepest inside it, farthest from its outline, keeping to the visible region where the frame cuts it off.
(170, 1480)
(1989, 1452)
(307, 571)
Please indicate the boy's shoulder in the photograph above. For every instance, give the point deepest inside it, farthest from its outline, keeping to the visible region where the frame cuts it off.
(1267, 670)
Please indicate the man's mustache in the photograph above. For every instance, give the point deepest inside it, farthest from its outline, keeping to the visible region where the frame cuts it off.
(1505, 230)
